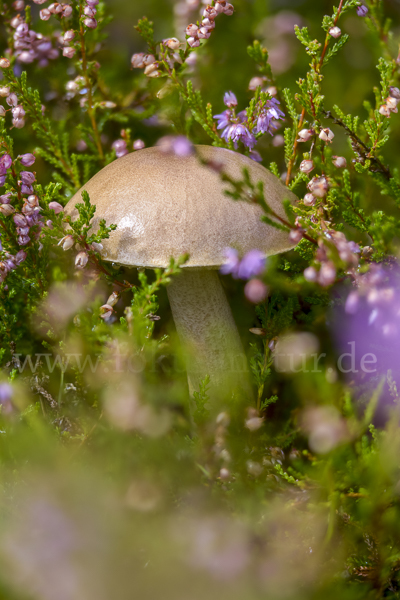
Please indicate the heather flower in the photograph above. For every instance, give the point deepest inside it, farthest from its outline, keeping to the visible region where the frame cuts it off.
(67, 11)
(394, 92)
(19, 220)
(137, 60)
(178, 145)
(209, 24)
(152, 70)
(27, 160)
(255, 291)
(89, 11)
(256, 156)
(305, 135)
(23, 240)
(138, 145)
(203, 33)
(310, 274)
(295, 235)
(326, 135)
(66, 242)
(69, 52)
(306, 166)
(230, 99)
(6, 209)
(309, 200)
(120, 148)
(252, 264)
(239, 132)
(5, 163)
(362, 10)
(256, 82)
(193, 42)
(327, 274)
(318, 186)
(90, 23)
(173, 43)
(6, 394)
(27, 177)
(56, 206)
(69, 35)
(191, 30)
(339, 162)
(6, 198)
(335, 32)
(266, 121)
(210, 12)
(106, 311)
(231, 264)
(4, 63)
(45, 14)
(12, 100)
(4, 91)
(81, 259)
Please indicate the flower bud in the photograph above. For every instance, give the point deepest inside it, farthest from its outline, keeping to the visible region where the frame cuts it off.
(152, 70)
(90, 23)
(5, 162)
(4, 91)
(210, 12)
(19, 220)
(22, 230)
(66, 10)
(12, 100)
(106, 311)
(224, 474)
(138, 145)
(255, 291)
(92, 3)
(81, 259)
(327, 274)
(27, 160)
(306, 166)
(18, 112)
(191, 30)
(66, 242)
(72, 86)
(208, 23)
(310, 274)
(148, 59)
(23, 240)
(69, 52)
(203, 33)
(318, 186)
(309, 200)
(6, 209)
(137, 60)
(193, 42)
(2, 111)
(254, 423)
(6, 198)
(256, 82)
(19, 257)
(27, 177)
(4, 63)
(335, 32)
(220, 5)
(173, 43)
(32, 201)
(391, 104)
(56, 206)
(18, 123)
(19, 5)
(326, 135)
(113, 299)
(384, 110)
(305, 135)
(228, 10)
(295, 235)
(97, 247)
(45, 14)
(339, 161)
(362, 10)
(394, 92)
(90, 11)
(69, 35)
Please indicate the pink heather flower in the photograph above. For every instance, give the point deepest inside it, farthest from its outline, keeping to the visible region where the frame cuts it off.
(23, 240)
(69, 52)
(45, 14)
(203, 33)
(6, 394)
(305, 135)
(295, 235)
(4, 63)
(362, 10)
(27, 160)
(228, 10)
(81, 259)
(256, 82)
(252, 264)
(310, 274)
(20, 257)
(327, 274)
(230, 99)
(173, 43)
(12, 100)
(2, 180)
(394, 92)
(89, 11)
(326, 135)
(2, 111)
(137, 60)
(138, 145)
(391, 104)
(384, 110)
(193, 42)
(220, 6)
(19, 220)
(27, 177)
(152, 70)
(5, 163)
(18, 123)
(309, 200)
(56, 206)
(4, 91)
(6, 209)
(255, 291)
(178, 145)
(90, 23)
(66, 242)
(208, 23)
(339, 161)
(67, 10)
(191, 30)
(55, 8)
(306, 166)
(210, 12)
(92, 3)
(69, 35)
(318, 186)
(335, 32)
(120, 148)
(6, 198)
(19, 5)
(106, 311)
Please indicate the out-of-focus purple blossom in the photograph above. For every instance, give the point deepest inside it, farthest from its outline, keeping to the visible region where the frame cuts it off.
(18, 123)
(56, 206)
(256, 82)
(255, 291)
(231, 264)
(362, 10)
(2, 180)
(69, 52)
(4, 91)
(120, 148)
(90, 11)
(4, 63)
(230, 99)
(254, 155)
(327, 274)
(310, 274)
(138, 145)
(6, 394)
(252, 264)
(27, 160)
(178, 145)
(295, 235)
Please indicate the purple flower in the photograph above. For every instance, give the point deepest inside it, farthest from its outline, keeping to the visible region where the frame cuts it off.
(362, 10)
(178, 145)
(254, 155)
(27, 160)
(5, 162)
(6, 393)
(230, 99)
(252, 264)
(2, 180)
(223, 119)
(232, 262)
(239, 132)
(27, 177)
(266, 122)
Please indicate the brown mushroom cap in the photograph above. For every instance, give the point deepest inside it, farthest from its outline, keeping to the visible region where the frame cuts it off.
(165, 205)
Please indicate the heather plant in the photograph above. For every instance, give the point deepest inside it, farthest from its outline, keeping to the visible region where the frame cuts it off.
(114, 481)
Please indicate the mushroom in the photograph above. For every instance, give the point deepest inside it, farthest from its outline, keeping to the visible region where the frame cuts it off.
(165, 206)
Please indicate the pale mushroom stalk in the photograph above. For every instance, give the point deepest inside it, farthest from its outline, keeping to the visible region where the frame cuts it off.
(208, 332)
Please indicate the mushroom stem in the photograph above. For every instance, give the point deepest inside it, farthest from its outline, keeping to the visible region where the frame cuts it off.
(208, 333)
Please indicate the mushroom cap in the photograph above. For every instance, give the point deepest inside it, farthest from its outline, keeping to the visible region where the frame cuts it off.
(166, 206)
